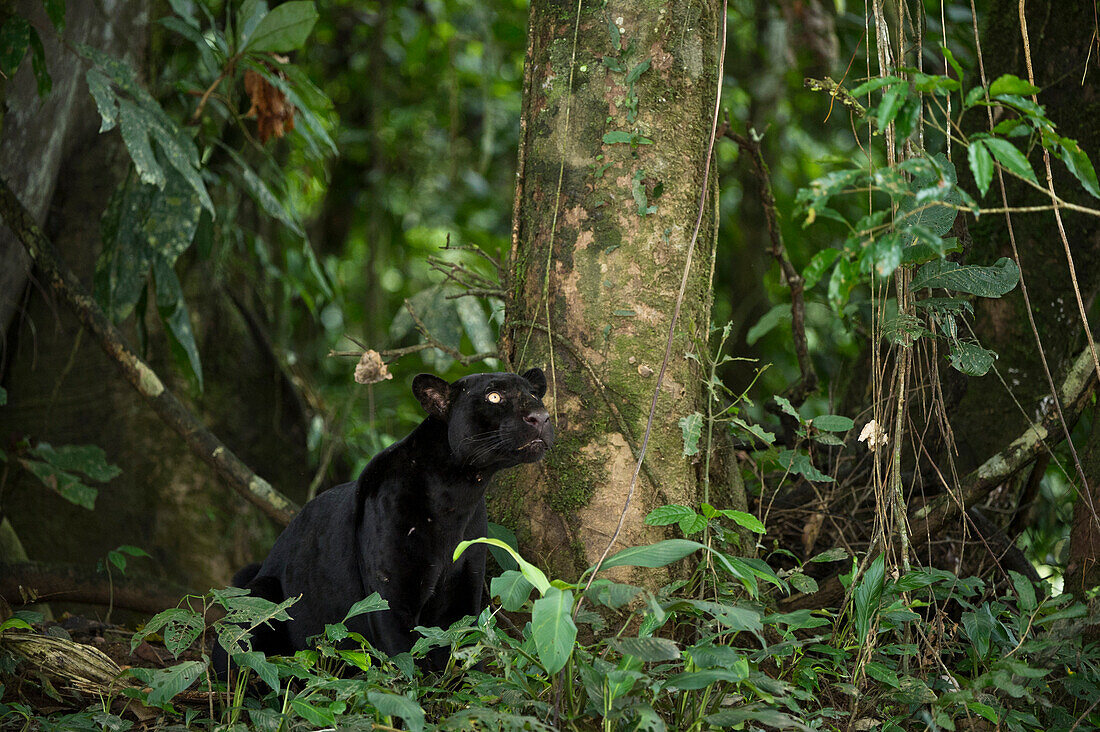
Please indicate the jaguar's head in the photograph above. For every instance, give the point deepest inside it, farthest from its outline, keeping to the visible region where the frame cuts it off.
(494, 420)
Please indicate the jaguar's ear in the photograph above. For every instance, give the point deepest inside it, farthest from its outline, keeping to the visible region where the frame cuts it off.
(433, 393)
(537, 379)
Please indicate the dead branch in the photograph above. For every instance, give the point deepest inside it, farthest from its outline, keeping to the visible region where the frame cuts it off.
(168, 407)
(25, 583)
(837, 92)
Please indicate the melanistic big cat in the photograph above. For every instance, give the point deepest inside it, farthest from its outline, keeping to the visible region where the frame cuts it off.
(395, 529)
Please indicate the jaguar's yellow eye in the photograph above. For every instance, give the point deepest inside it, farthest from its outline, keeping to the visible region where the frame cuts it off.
(493, 397)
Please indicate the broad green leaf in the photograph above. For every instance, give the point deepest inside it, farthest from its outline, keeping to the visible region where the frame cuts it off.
(708, 655)
(733, 617)
(984, 710)
(38, 65)
(670, 514)
(883, 255)
(798, 620)
(180, 151)
(788, 408)
(759, 712)
(67, 485)
(951, 60)
(637, 71)
(267, 671)
(16, 623)
(56, 10)
(934, 194)
(651, 556)
(690, 680)
(167, 683)
(800, 463)
(612, 594)
(502, 533)
(979, 629)
(747, 520)
(647, 649)
(833, 423)
(15, 36)
(778, 314)
(135, 124)
(122, 269)
(1011, 84)
(3, 396)
(263, 195)
(1025, 590)
(1010, 157)
(883, 673)
(177, 320)
(889, 106)
(477, 326)
(1078, 163)
(90, 460)
(868, 594)
(845, 278)
(920, 252)
(691, 426)
(875, 84)
(369, 604)
(533, 574)
(917, 578)
(970, 358)
(249, 15)
(817, 267)
(395, 705)
(992, 281)
(315, 715)
(981, 164)
(553, 629)
(618, 136)
(512, 588)
(285, 28)
(692, 524)
(754, 429)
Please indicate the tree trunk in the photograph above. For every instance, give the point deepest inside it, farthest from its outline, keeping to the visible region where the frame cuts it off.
(987, 418)
(617, 116)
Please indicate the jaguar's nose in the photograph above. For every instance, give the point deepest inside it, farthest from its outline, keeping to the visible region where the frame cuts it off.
(537, 418)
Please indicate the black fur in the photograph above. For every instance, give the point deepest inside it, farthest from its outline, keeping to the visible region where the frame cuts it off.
(395, 529)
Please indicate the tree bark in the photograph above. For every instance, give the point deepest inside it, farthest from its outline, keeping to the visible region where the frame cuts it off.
(618, 107)
(987, 418)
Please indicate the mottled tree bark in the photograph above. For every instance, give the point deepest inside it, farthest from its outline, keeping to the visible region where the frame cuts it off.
(617, 118)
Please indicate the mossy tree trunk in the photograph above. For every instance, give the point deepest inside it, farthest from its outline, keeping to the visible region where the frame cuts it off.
(618, 107)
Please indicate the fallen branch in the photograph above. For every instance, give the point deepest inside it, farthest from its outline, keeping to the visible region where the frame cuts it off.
(25, 583)
(928, 520)
(170, 409)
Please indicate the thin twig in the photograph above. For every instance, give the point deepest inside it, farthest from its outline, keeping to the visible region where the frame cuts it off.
(791, 278)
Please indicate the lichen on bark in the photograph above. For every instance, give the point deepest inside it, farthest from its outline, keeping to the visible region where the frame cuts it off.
(617, 126)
